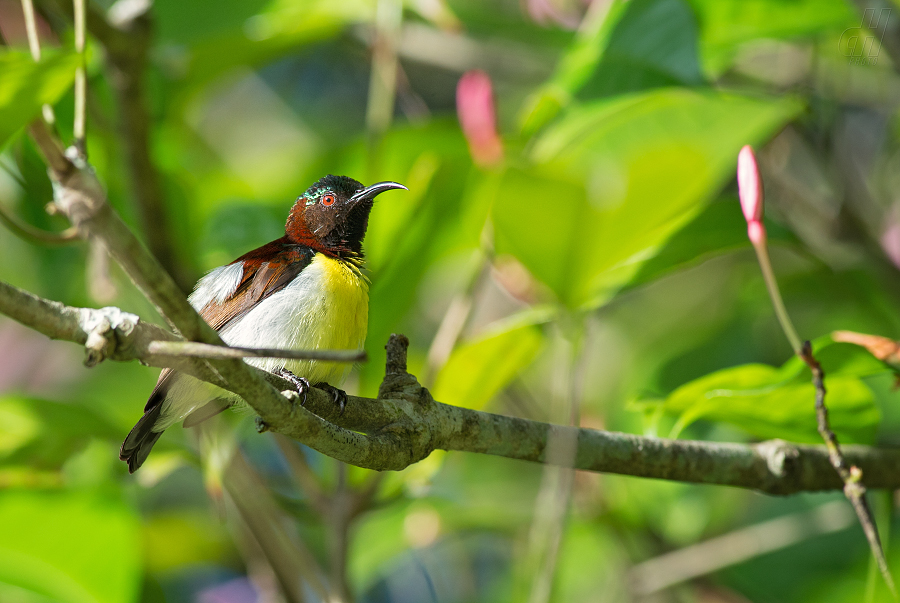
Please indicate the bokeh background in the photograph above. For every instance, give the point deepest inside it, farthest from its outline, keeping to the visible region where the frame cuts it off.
(571, 249)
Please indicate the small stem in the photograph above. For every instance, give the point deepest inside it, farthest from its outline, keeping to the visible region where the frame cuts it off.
(34, 44)
(762, 254)
(30, 233)
(205, 350)
(80, 80)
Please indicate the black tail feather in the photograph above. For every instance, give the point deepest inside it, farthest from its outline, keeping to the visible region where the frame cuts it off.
(141, 438)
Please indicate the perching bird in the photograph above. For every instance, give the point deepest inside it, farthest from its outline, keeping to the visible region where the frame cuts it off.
(302, 291)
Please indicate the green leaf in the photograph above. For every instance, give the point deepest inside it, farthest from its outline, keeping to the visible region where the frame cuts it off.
(654, 44)
(758, 399)
(25, 86)
(477, 370)
(70, 546)
(612, 181)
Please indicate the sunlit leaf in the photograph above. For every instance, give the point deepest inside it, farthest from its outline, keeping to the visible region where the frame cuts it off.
(70, 546)
(758, 399)
(25, 86)
(477, 370)
(613, 180)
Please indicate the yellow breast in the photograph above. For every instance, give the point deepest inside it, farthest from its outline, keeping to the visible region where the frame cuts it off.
(331, 312)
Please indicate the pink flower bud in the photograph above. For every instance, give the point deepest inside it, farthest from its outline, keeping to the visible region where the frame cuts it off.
(478, 118)
(750, 186)
(756, 232)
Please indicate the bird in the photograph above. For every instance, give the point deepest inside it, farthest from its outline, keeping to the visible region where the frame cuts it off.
(305, 290)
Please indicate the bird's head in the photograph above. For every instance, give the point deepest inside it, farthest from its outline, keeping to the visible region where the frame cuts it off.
(333, 214)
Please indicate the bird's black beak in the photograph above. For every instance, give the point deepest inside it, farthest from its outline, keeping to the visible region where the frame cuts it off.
(376, 189)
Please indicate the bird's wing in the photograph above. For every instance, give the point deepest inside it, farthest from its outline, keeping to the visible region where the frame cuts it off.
(267, 270)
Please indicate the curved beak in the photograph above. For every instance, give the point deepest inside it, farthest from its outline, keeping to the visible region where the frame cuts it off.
(376, 189)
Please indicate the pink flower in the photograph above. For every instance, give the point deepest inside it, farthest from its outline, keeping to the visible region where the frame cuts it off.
(478, 118)
(750, 190)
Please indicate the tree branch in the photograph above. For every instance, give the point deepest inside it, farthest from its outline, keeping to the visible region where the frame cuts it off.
(405, 424)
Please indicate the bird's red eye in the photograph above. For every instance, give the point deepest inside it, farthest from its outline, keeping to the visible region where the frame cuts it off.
(328, 200)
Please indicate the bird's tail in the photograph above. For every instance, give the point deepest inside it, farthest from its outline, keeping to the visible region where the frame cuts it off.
(141, 438)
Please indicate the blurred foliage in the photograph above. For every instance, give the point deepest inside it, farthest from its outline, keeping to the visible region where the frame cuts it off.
(26, 86)
(611, 226)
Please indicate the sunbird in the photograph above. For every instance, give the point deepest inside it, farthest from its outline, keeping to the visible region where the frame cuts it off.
(304, 291)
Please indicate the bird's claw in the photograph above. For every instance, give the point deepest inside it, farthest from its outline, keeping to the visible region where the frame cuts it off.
(338, 396)
(300, 384)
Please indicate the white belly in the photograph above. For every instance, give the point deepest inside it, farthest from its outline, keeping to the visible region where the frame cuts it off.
(325, 308)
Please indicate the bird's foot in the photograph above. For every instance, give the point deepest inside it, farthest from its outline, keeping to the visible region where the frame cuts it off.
(300, 384)
(339, 396)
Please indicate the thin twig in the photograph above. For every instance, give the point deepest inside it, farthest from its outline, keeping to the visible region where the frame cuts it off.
(854, 489)
(80, 80)
(205, 350)
(30, 233)
(34, 44)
